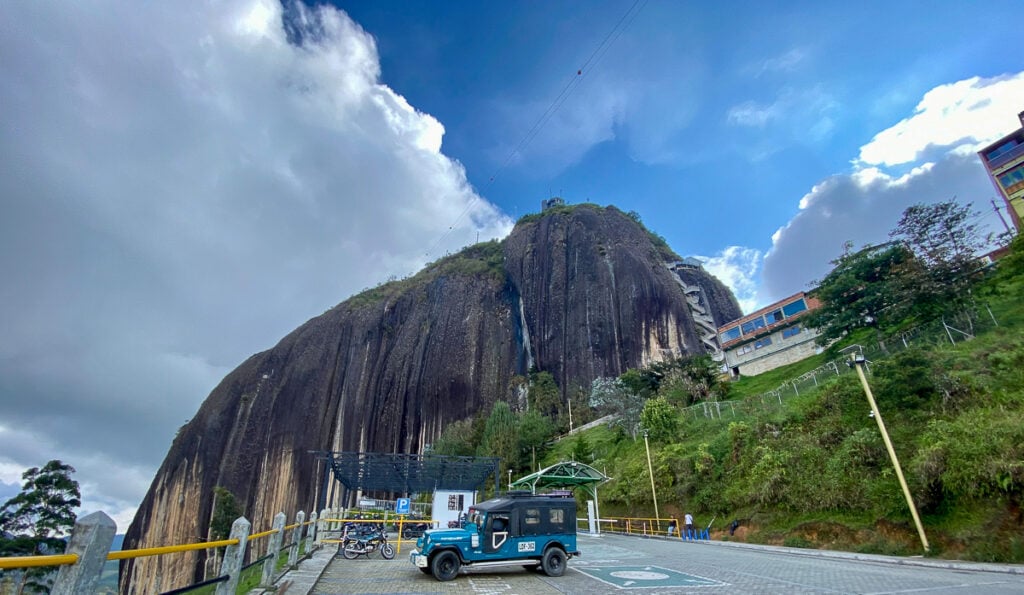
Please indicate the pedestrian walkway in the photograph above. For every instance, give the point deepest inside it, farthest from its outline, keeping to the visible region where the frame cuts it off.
(301, 580)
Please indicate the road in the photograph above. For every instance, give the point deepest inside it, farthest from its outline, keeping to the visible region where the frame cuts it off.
(621, 564)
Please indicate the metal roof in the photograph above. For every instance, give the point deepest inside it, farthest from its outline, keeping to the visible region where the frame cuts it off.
(567, 474)
(409, 473)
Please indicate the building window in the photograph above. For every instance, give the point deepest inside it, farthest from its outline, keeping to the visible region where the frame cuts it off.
(774, 316)
(752, 325)
(762, 342)
(793, 307)
(1003, 148)
(790, 332)
(731, 334)
(1012, 177)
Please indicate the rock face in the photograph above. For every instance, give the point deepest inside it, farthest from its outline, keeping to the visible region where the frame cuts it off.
(581, 292)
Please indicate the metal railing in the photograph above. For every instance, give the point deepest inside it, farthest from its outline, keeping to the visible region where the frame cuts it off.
(89, 548)
(650, 527)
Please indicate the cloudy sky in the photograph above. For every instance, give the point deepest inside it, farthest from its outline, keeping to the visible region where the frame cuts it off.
(184, 183)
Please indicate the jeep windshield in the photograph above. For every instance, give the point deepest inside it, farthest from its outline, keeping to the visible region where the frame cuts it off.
(476, 517)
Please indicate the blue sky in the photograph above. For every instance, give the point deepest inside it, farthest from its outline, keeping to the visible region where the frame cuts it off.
(710, 120)
(185, 183)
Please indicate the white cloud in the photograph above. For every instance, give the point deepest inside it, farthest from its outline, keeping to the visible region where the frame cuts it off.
(750, 113)
(737, 267)
(949, 125)
(182, 185)
(978, 110)
(799, 114)
(862, 207)
(783, 63)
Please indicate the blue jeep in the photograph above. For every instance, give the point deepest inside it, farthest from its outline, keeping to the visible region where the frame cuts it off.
(518, 529)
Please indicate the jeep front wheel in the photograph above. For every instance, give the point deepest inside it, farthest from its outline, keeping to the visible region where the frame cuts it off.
(554, 562)
(445, 566)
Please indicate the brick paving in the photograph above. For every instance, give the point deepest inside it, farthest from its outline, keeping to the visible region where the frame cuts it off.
(618, 564)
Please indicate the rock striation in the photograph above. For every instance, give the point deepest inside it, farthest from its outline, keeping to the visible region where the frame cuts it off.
(581, 292)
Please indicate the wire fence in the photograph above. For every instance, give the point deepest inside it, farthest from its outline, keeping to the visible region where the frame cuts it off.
(953, 330)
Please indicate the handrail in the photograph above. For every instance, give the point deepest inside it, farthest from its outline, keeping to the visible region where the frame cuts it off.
(168, 549)
(263, 534)
(91, 537)
(34, 561)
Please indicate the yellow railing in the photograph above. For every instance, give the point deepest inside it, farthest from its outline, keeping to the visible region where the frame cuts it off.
(14, 562)
(34, 561)
(649, 526)
(168, 549)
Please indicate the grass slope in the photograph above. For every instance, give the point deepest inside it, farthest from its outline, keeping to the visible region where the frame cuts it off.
(813, 471)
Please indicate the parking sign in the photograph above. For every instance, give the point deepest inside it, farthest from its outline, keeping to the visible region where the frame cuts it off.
(402, 506)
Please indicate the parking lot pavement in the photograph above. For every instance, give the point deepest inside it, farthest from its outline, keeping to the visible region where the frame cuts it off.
(619, 564)
(376, 575)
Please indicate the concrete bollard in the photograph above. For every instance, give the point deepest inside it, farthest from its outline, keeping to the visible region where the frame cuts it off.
(322, 526)
(313, 535)
(234, 556)
(90, 540)
(273, 550)
(293, 552)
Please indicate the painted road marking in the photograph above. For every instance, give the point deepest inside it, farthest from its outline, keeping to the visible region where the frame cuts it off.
(646, 577)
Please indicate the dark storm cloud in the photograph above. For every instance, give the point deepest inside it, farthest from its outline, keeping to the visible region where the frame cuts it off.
(181, 187)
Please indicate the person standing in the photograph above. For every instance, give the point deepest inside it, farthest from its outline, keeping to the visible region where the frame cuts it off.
(688, 519)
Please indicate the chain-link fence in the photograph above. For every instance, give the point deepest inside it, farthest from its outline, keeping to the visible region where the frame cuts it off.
(952, 330)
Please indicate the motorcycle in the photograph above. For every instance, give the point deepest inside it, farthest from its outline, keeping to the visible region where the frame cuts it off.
(411, 530)
(353, 547)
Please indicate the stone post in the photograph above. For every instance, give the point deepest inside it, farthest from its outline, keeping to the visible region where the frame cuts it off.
(313, 535)
(273, 550)
(322, 526)
(234, 556)
(293, 552)
(90, 540)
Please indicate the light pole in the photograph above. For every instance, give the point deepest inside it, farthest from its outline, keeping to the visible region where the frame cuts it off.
(858, 363)
(650, 471)
(510, 480)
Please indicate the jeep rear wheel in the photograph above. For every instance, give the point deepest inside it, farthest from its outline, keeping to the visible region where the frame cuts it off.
(445, 566)
(553, 562)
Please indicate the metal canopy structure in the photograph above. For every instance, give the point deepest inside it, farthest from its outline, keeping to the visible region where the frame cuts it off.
(410, 473)
(564, 475)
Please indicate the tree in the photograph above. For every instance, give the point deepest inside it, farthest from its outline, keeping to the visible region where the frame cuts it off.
(535, 431)
(659, 419)
(858, 292)
(610, 396)
(501, 436)
(38, 519)
(544, 396)
(225, 510)
(699, 377)
(457, 439)
(944, 243)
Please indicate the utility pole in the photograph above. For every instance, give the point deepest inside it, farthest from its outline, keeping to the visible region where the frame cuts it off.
(858, 364)
(998, 212)
(650, 471)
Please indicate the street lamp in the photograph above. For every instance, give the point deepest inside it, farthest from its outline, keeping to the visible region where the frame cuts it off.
(858, 364)
(650, 471)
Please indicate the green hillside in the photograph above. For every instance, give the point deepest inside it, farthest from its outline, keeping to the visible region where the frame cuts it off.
(807, 467)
